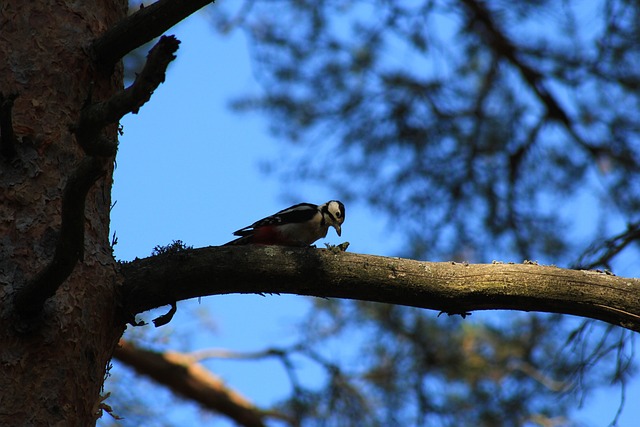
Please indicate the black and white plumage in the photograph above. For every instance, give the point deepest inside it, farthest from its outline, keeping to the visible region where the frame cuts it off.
(298, 225)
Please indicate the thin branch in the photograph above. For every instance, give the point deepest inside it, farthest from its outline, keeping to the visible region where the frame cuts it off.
(166, 318)
(182, 374)
(141, 27)
(95, 117)
(281, 354)
(536, 374)
(30, 299)
(7, 136)
(214, 353)
(609, 248)
(448, 287)
(501, 44)
(498, 41)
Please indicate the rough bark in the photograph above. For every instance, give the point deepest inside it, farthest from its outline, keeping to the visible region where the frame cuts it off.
(52, 367)
(60, 310)
(453, 288)
(59, 285)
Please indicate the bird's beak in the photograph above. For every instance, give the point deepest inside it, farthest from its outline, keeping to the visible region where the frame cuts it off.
(338, 229)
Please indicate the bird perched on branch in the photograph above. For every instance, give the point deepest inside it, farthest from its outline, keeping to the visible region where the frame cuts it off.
(298, 225)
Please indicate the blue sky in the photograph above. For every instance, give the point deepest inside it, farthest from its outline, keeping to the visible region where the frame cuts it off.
(188, 169)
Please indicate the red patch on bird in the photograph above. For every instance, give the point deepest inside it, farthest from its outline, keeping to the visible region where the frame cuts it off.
(266, 235)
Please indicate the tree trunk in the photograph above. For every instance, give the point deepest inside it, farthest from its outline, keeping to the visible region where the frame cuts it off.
(52, 365)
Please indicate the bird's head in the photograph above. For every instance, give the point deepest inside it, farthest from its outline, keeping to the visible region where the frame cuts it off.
(333, 212)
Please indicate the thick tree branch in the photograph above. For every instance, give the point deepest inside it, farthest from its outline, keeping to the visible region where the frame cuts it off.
(182, 374)
(70, 246)
(7, 137)
(95, 117)
(442, 286)
(141, 27)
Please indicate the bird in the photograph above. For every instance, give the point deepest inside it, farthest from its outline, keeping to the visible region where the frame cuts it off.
(298, 225)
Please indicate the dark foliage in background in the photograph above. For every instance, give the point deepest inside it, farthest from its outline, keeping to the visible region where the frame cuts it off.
(492, 130)
(487, 129)
(403, 367)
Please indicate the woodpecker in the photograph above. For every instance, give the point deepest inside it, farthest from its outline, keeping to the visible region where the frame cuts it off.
(298, 225)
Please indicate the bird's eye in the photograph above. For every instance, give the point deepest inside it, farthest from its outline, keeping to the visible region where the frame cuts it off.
(338, 214)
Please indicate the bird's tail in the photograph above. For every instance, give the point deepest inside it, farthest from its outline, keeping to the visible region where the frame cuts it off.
(244, 240)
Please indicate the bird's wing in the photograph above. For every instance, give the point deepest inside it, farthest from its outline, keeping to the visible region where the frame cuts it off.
(293, 214)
